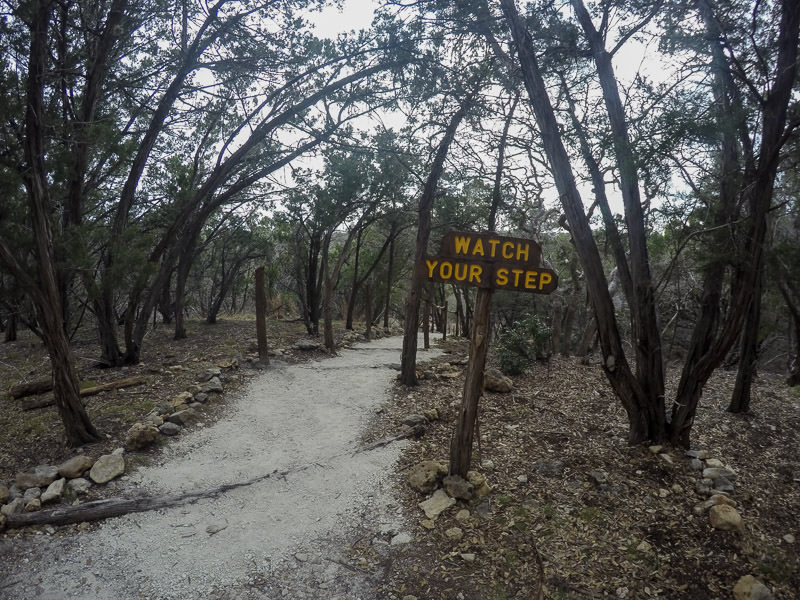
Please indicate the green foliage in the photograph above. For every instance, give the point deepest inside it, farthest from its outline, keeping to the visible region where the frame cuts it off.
(519, 345)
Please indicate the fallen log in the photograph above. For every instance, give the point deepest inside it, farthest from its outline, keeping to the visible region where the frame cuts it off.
(96, 510)
(29, 389)
(89, 391)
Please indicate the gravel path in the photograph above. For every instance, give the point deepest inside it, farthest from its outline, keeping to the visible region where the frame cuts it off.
(286, 537)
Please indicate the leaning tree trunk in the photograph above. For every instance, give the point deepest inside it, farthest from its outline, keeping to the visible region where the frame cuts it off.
(408, 366)
(748, 359)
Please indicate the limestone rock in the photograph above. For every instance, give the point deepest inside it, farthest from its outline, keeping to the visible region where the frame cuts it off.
(75, 466)
(181, 399)
(479, 484)
(695, 464)
(425, 476)
(169, 428)
(31, 493)
(714, 463)
(717, 472)
(4, 494)
(412, 420)
(41, 476)
(79, 485)
(717, 499)
(458, 488)
(209, 374)
(725, 518)
(183, 417)
(462, 516)
(723, 484)
(750, 588)
(432, 414)
(549, 467)
(699, 454)
(201, 397)
(154, 420)
(213, 385)
(468, 556)
(13, 507)
(454, 533)
(107, 468)
(494, 381)
(655, 449)
(436, 504)
(598, 477)
(33, 505)
(54, 491)
(140, 436)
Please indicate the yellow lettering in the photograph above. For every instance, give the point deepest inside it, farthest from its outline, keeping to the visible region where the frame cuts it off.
(431, 266)
(475, 273)
(478, 247)
(493, 244)
(544, 279)
(501, 277)
(517, 273)
(530, 280)
(461, 271)
(446, 270)
(522, 251)
(462, 244)
(510, 247)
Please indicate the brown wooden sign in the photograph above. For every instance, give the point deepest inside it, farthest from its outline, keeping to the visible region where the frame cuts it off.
(491, 262)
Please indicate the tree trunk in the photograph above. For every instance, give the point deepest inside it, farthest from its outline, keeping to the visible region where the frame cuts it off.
(389, 279)
(351, 304)
(408, 363)
(645, 420)
(368, 310)
(10, 334)
(748, 361)
(261, 317)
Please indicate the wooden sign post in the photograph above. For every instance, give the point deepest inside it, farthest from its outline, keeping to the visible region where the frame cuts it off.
(488, 262)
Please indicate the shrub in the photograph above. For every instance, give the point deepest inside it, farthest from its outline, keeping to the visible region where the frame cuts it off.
(519, 345)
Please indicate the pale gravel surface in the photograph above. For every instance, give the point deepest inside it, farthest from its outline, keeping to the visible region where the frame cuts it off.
(285, 537)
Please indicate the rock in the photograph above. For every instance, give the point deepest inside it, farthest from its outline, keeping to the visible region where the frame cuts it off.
(401, 539)
(169, 429)
(213, 385)
(301, 557)
(3, 520)
(487, 464)
(462, 516)
(307, 345)
(428, 524)
(436, 504)
(696, 464)
(723, 484)
(644, 546)
(717, 499)
(703, 486)
(725, 518)
(432, 414)
(425, 476)
(699, 454)
(31, 493)
(183, 417)
(789, 538)
(140, 436)
(468, 556)
(549, 467)
(714, 463)
(677, 488)
(4, 494)
(13, 507)
(107, 468)
(201, 397)
(212, 372)
(717, 472)
(33, 505)
(79, 485)
(41, 476)
(75, 466)
(494, 381)
(666, 458)
(599, 477)
(750, 588)
(412, 420)
(522, 479)
(454, 533)
(655, 449)
(181, 399)
(479, 484)
(54, 491)
(458, 488)
(154, 420)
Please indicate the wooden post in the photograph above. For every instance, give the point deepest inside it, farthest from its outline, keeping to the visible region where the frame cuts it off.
(261, 317)
(426, 322)
(444, 319)
(461, 444)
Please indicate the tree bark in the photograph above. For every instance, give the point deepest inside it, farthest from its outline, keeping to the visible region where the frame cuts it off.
(261, 317)
(408, 366)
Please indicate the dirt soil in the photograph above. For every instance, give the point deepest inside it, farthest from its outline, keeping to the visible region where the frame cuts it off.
(572, 505)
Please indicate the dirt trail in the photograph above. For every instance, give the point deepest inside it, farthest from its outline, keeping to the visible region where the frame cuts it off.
(281, 538)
